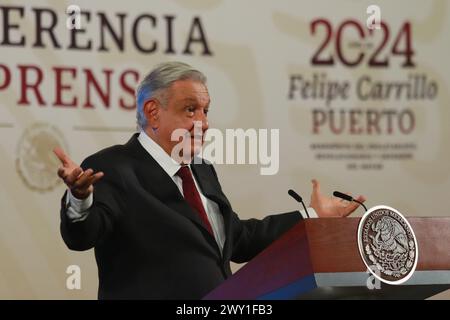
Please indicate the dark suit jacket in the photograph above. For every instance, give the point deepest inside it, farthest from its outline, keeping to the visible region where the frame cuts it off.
(149, 243)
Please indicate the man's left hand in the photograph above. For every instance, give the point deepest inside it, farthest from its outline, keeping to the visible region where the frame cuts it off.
(327, 207)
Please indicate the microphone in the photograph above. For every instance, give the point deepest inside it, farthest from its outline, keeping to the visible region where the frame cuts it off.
(297, 198)
(348, 198)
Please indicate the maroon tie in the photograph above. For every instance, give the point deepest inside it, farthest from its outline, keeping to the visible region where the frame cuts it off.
(192, 196)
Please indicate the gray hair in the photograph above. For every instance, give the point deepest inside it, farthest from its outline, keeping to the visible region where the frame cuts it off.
(158, 81)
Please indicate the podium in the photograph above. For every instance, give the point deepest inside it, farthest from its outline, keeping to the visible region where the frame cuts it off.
(319, 259)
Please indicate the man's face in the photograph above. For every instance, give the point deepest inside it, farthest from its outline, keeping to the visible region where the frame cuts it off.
(187, 101)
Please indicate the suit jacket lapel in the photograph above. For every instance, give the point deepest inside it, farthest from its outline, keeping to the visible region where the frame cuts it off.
(158, 183)
(211, 189)
(205, 180)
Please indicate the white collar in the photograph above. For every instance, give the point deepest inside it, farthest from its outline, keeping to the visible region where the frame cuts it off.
(169, 165)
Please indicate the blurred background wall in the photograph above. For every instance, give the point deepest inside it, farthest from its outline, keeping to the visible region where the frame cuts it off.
(364, 111)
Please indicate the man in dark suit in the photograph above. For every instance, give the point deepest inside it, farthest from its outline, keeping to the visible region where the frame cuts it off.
(164, 229)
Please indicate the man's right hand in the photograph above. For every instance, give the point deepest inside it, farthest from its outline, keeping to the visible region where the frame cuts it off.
(80, 183)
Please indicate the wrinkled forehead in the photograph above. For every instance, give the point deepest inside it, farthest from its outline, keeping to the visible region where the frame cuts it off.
(189, 92)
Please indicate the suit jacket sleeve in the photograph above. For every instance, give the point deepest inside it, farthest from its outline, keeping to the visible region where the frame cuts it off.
(104, 213)
(250, 237)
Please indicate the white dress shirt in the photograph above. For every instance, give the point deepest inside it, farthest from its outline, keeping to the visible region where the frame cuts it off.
(78, 209)
(171, 167)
